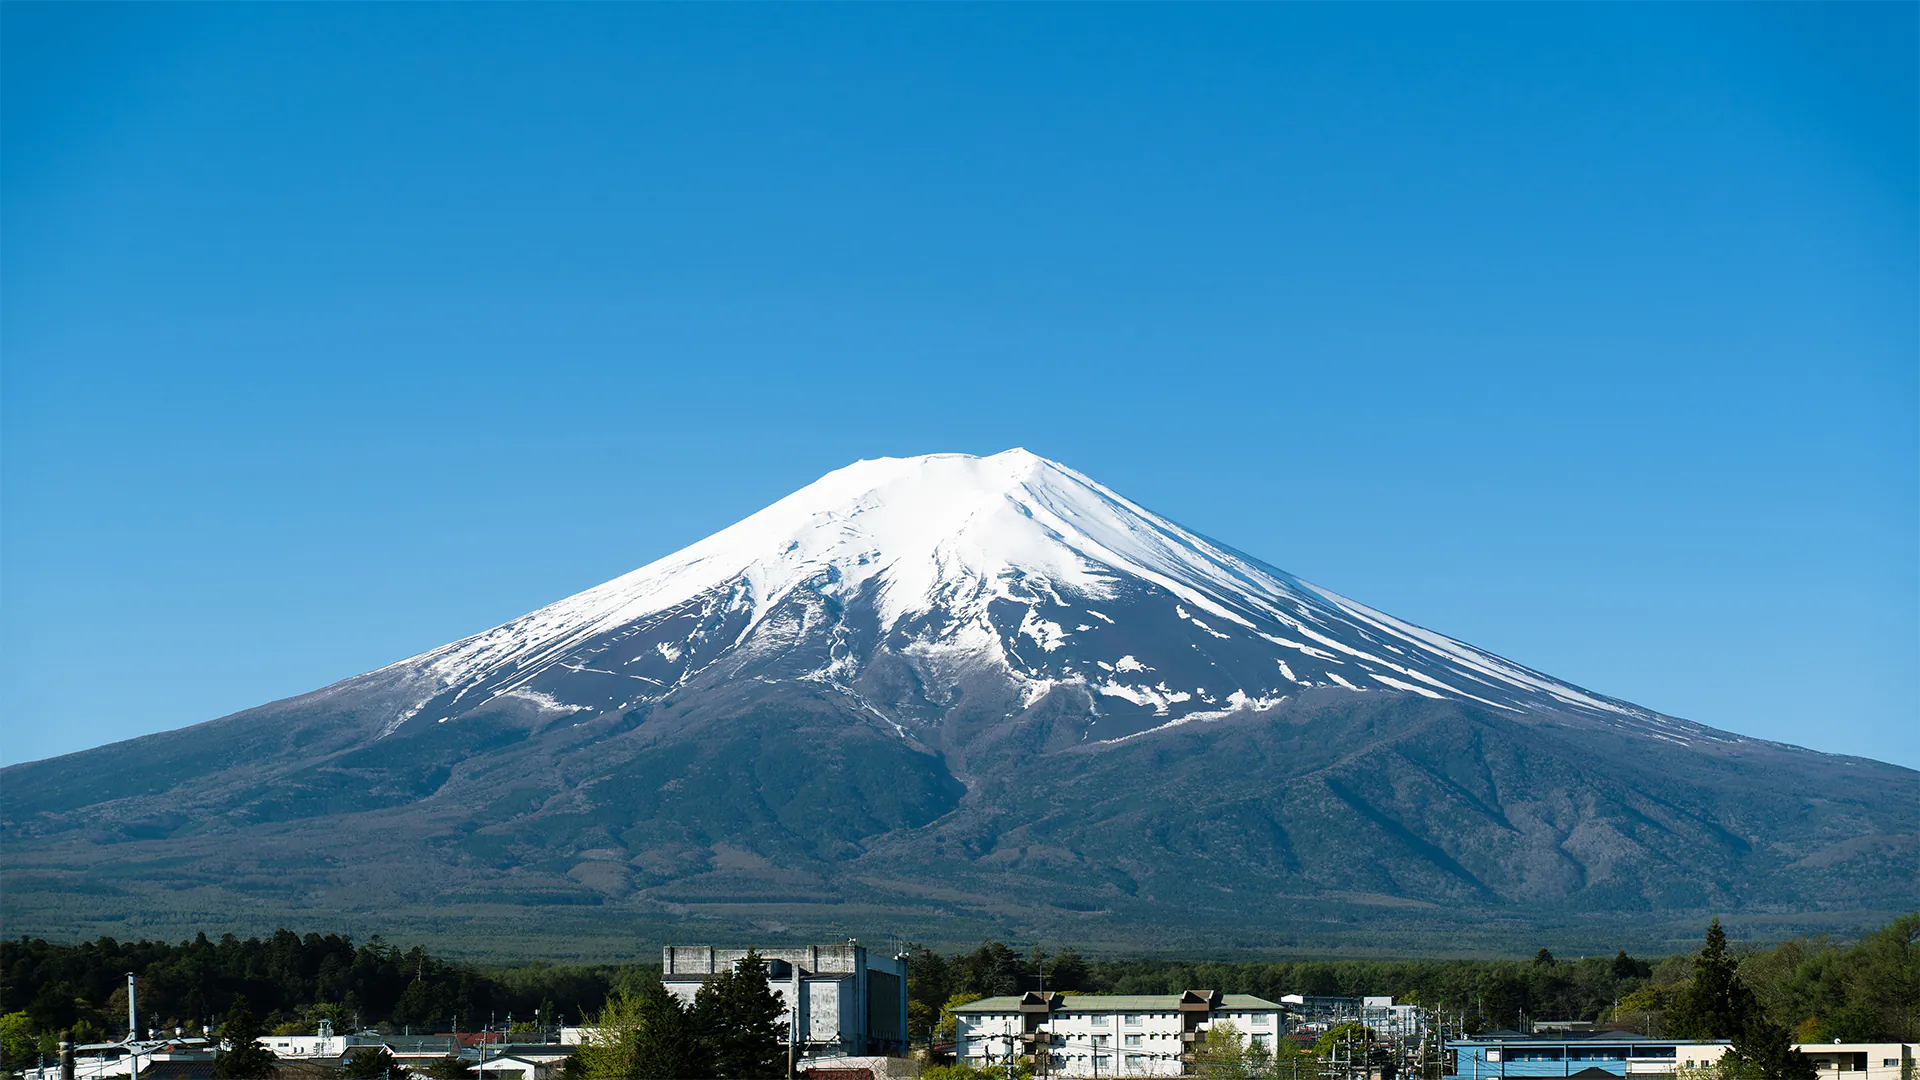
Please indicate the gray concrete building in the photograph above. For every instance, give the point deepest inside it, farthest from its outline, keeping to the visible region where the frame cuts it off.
(841, 1000)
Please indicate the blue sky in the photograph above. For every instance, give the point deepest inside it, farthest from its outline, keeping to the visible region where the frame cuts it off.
(332, 333)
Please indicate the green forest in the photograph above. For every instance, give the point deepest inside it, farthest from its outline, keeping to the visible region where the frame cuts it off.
(1817, 989)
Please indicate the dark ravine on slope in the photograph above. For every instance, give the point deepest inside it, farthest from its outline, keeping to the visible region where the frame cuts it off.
(952, 696)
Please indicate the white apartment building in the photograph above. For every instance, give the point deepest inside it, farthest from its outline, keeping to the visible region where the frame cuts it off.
(1099, 1035)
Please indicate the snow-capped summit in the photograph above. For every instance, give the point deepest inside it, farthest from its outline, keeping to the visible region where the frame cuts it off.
(959, 567)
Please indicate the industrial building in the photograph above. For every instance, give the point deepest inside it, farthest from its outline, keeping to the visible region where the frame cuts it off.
(841, 1000)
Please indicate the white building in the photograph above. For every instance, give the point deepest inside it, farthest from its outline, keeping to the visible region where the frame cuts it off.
(296, 1047)
(1096, 1035)
(521, 1067)
(1864, 1061)
(841, 1000)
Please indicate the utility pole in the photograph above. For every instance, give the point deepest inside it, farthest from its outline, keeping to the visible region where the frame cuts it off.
(793, 1026)
(133, 1032)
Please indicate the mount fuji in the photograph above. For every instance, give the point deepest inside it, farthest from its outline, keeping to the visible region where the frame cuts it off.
(956, 695)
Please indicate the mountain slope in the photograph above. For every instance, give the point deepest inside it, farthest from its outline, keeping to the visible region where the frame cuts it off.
(920, 687)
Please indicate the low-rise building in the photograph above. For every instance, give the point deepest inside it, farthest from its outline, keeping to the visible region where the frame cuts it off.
(1591, 1054)
(1101, 1035)
(521, 1066)
(1598, 1054)
(1865, 1061)
(840, 1000)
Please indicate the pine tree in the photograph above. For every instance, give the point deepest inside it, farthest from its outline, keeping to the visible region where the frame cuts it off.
(241, 1057)
(738, 1018)
(1719, 1005)
(669, 1045)
(1716, 1004)
(1626, 967)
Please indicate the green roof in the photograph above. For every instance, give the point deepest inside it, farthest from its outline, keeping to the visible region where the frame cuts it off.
(1117, 1003)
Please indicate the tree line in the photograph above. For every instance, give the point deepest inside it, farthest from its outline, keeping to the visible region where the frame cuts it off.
(1818, 989)
(291, 982)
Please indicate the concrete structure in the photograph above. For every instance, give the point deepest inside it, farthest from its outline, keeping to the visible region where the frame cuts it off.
(841, 1000)
(1120, 1035)
(861, 1068)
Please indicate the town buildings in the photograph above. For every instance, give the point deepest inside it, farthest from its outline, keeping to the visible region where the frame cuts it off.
(841, 1000)
(1121, 1035)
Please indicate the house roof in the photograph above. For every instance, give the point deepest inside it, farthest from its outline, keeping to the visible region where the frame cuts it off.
(420, 1044)
(1562, 1038)
(494, 1063)
(177, 1070)
(1119, 1003)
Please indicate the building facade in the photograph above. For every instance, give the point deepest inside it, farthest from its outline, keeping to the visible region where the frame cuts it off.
(1592, 1054)
(841, 1000)
(1599, 1054)
(1865, 1061)
(1096, 1035)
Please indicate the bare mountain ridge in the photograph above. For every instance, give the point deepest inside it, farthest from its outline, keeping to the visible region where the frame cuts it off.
(960, 695)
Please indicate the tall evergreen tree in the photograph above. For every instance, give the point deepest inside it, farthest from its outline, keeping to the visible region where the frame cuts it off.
(1626, 967)
(739, 1020)
(240, 1056)
(1716, 1004)
(669, 1045)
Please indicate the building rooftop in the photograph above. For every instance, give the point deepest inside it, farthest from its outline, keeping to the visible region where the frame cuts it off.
(1117, 1003)
(1557, 1038)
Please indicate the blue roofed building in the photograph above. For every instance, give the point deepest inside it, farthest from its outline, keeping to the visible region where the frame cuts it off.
(1590, 1054)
